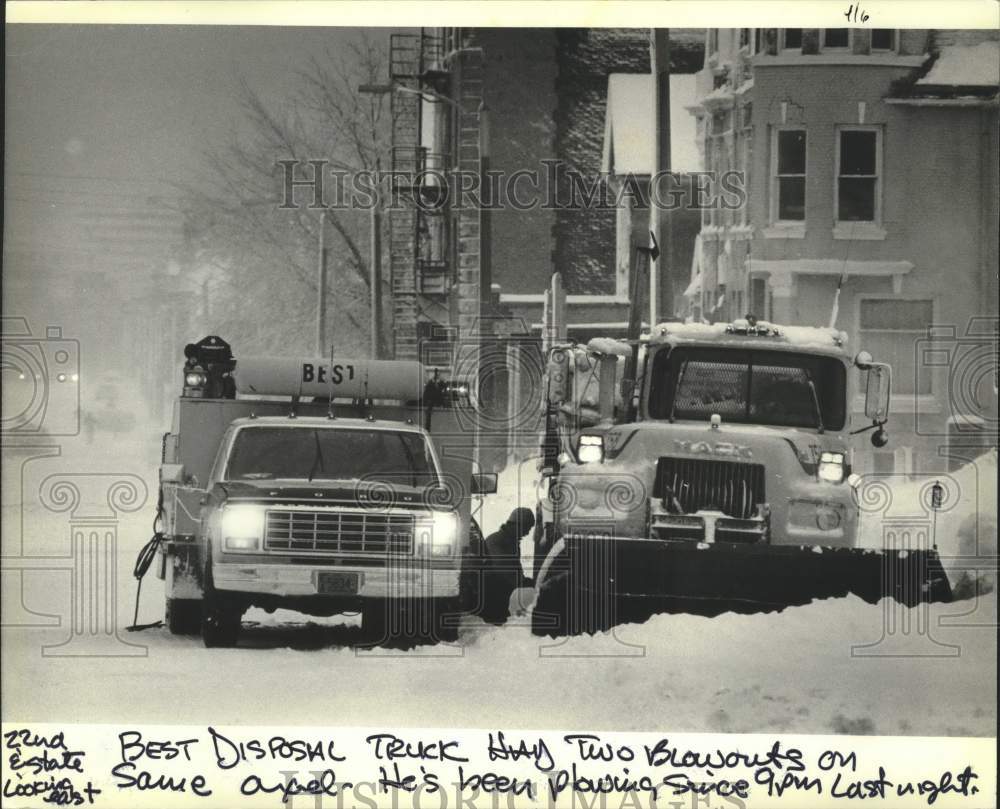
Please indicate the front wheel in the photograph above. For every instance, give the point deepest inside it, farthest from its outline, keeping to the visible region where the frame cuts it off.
(220, 624)
(395, 622)
(221, 616)
(183, 616)
(572, 597)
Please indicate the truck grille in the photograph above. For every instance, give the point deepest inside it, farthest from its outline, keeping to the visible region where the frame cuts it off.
(339, 532)
(731, 487)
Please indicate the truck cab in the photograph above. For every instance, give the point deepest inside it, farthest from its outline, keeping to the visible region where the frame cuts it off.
(707, 464)
(731, 433)
(321, 506)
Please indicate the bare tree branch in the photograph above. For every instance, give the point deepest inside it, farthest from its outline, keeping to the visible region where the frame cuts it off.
(253, 247)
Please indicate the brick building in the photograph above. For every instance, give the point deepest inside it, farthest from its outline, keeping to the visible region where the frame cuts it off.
(508, 100)
(870, 159)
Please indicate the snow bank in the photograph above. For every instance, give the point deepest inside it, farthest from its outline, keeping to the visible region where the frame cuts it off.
(965, 527)
(798, 671)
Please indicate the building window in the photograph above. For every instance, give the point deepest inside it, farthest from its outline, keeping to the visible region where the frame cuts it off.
(836, 38)
(763, 40)
(891, 330)
(883, 39)
(722, 122)
(792, 39)
(858, 174)
(788, 186)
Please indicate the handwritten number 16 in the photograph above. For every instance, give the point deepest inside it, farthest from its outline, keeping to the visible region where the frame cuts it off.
(853, 12)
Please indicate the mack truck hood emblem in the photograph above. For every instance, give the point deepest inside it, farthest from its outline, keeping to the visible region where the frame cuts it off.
(723, 449)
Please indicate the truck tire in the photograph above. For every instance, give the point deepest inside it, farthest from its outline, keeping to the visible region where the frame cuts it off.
(550, 614)
(374, 622)
(563, 609)
(571, 601)
(404, 622)
(543, 542)
(220, 623)
(220, 616)
(442, 617)
(183, 616)
(471, 576)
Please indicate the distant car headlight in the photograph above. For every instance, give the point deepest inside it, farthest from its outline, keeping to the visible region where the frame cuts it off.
(831, 467)
(439, 535)
(242, 528)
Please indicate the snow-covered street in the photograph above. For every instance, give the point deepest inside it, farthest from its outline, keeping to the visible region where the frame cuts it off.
(838, 666)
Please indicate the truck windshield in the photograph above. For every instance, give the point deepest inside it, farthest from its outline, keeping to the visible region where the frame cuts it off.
(754, 387)
(301, 453)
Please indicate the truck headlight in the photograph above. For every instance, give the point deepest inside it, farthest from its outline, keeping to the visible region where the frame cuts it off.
(195, 383)
(831, 467)
(590, 448)
(439, 536)
(242, 528)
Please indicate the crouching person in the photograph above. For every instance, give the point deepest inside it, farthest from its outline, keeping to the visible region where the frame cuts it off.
(502, 572)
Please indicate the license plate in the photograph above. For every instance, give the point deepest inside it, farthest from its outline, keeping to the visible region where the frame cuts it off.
(334, 583)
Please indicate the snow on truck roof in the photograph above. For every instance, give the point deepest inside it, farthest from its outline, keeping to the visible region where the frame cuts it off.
(313, 422)
(803, 336)
(739, 331)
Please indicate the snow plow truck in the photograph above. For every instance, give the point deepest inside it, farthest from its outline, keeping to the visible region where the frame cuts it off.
(321, 486)
(706, 468)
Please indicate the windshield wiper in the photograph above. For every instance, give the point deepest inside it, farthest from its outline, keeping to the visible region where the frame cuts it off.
(318, 460)
(411, 459)
(815, 398)
(677, 387)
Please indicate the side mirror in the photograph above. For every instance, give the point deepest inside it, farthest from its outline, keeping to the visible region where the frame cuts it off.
(484, 483)
(173, 473)
(877, 392)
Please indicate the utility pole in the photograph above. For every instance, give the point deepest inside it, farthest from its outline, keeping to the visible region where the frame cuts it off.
(661, 288)
(375, 279)
(321, 285)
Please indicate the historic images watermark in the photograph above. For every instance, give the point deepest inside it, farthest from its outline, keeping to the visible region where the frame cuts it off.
(41, 413)
(553, 185)
(41, 375)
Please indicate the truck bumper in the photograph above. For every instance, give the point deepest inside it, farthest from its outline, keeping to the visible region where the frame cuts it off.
(294, 581)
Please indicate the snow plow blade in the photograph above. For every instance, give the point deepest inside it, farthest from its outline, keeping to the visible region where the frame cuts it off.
(761, 574)
(628, 579)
